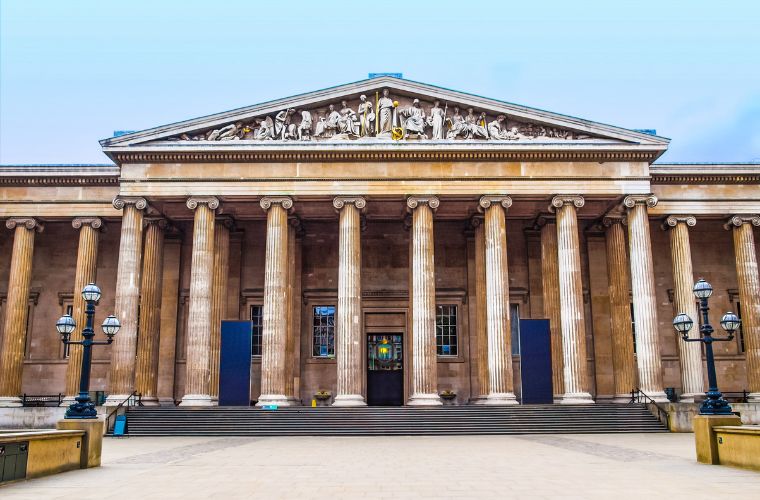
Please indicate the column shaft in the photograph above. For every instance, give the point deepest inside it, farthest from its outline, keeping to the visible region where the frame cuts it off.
(218, 301)
(146, 376)
(348, 324)
(550, 287)
(644, 299)
(169, 308)
(123, 349)
(500, 383)
(274, 341)
(424, 359)
(692, 379)
(571, 302)
(290, 339)
(480, 311)
(620, 311)
(16, 310)
(197, 380)
(86, 272)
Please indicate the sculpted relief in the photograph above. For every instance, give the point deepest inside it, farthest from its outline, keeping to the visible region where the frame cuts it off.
(381, 116)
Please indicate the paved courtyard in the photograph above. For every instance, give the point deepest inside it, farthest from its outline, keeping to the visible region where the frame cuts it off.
(569, 466)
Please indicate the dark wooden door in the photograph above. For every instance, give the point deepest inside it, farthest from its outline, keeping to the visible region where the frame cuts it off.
(385, 370)
(535, 361)
(235, 364)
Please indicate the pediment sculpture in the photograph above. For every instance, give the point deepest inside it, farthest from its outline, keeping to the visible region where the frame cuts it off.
(381, 117)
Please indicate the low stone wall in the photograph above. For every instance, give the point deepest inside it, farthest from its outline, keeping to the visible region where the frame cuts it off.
(738, 445)
(50, 451)
(34, 418)
(682, 415)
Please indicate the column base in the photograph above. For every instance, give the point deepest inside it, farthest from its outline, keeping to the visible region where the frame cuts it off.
(425, 400)
(500, 399)
(196, 400)
(753, 397)
(557, 398)
(166, 402)
(348, 400)
(149, 401)
(658, 397)
(273, 399)
(688, 397)
(115, 399)
(576, 398)
(480, 400)
(10, 402)
(621, 399)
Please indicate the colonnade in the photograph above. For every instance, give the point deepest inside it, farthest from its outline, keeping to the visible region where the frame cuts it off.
(134, 365)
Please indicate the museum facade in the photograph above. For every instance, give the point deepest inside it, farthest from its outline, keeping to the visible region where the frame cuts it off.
(384, 239)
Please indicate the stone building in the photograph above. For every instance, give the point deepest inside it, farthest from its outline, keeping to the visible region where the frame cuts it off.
(383, 212)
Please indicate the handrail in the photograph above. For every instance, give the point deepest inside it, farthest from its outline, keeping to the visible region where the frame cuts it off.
(134, 399)
(636, 397)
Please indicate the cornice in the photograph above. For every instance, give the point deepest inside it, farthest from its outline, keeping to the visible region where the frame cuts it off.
(59, 175)
(696, 178)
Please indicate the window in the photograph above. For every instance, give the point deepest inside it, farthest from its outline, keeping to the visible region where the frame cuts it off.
(323, 332)
(446, 330)
(67, 347)
(740, 331)
(514, 321)
(257, 318)
(633, 329)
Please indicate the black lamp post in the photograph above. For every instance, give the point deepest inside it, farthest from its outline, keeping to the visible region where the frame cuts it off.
(714, 404)
(84, 407)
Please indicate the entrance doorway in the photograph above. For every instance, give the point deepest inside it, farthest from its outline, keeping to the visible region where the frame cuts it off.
(385, 369)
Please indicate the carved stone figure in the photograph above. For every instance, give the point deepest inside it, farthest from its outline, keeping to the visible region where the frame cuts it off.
(513, 134)
(385, 115)
(348, 123)
(332, 125)
(265, 131)
(476, 127)
(495, 130)
(283, 128)
(228, 133)
(436, 120)
(366, 117)
(415, 120)
(457, 125)
(304, 128)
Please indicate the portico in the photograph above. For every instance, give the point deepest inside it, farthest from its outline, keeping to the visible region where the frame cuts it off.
(445, 242)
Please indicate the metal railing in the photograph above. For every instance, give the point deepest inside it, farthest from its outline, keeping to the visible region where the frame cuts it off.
(637, 396)
(737, 397)
(38, 400)
(134, 399)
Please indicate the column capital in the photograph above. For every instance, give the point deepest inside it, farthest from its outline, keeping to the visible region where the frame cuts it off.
(358, 201)
(139, 202)
(738, 220)
(93, 222)
(673, 220)
(632, 200)
(226, 221)
(284, 201)
(561, 200)
(413, 202)
(27, 222)
(610, 220)
(161, 222)
(211, 201)
(475, 221)
(487, 200)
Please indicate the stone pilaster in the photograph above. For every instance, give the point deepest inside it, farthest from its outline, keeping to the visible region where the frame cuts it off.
(550, 287)
(197, 380)
(349, 348)
(424, 370)
(500, 384)
(644, 299)
(572, 319)
(17, 309)
(292, 341)
(86, 272)
(274, 341)
(690, 353)
(481, 331)
(618, 273)
(218, 300)
(123, 349)
(146, 375)
(749, 295)
(167, 344)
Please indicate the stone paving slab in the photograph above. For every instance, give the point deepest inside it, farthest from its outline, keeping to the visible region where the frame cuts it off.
(535, 466)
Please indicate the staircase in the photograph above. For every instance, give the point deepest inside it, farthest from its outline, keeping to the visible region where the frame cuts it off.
(384, 421)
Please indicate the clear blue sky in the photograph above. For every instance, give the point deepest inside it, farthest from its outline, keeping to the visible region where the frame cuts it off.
(72, 72)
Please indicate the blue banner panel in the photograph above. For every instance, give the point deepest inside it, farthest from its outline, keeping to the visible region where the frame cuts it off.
(535, 361)
(235, 364)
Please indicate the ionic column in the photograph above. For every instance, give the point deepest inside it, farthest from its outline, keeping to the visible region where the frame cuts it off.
(218, 300)
(123, 349)
(618, 273)
(86, 272)
(197, 380)
(291, 339)
(572, 319)
(146, 376)
(644, 299)
(274, 334)
(749, 295)
(690, 353)
(424, 370)
(500, 384)
(550, 288)
(349, 348)
(480, 308)
(17, 309)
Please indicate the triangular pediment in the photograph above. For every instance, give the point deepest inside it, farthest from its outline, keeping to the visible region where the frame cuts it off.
(383, 110)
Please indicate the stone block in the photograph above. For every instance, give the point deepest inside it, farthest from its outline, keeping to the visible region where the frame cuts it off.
(704, 435)
(738, 446)
(92, 441)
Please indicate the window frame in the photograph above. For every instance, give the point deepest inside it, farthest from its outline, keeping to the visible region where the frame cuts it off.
(457, 329)
(313, 306)
(250, 307)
